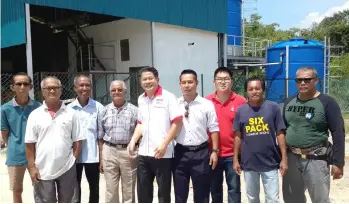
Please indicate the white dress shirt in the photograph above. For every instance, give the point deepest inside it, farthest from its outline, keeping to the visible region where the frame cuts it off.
(201, 118)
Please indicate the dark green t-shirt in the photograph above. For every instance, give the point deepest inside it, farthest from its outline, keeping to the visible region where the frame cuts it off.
(308, 123)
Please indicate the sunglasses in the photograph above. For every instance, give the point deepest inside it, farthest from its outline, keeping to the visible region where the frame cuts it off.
(20, 84)
(305, 80)
(186, 114)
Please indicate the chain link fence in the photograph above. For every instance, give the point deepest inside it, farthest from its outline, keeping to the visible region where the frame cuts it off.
(6, 92)
(100, 85)
(275, 88)
(338, 89)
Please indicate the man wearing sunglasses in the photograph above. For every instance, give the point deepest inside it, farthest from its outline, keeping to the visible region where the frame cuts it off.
(192, 156)
(309, 117)
(14, 116)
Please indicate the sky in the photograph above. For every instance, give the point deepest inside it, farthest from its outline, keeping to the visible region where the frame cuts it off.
(294, 13)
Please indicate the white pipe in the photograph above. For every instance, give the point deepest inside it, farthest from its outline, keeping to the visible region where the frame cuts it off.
(324, 82)
(287, 68)
(152, 43)
(225, 46)
(328, 64)
(29, 47)
(256, 65)
(263, 64)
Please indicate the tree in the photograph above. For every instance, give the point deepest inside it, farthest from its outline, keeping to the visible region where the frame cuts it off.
(335, 27)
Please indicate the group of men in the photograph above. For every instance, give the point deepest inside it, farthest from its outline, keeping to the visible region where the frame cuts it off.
(165, 137)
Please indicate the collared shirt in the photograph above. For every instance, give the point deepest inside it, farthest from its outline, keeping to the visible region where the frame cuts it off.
(226, 113)
(14, 120)
(116, 125)
(156, 116)
(88, 119)
(202, 117)
(53, 138)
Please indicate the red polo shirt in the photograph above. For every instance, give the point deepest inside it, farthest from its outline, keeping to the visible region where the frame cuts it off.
(226, 114)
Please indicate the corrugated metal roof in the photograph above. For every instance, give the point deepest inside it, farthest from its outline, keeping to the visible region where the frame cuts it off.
(12, 23)
(208, 15)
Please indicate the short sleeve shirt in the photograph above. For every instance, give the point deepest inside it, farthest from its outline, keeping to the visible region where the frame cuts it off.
(14, 120)
(53, 138)
(88, 119)
(117, 125)
(226, 114)
(156, 116)
(258, 127)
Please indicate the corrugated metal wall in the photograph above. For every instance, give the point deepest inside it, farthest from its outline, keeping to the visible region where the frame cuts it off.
(202, 14)
(12, 23)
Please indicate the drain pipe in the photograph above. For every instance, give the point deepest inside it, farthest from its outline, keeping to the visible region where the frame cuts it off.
(287, 68)
(261, 64)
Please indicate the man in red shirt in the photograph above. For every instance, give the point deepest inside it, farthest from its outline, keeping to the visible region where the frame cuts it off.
(226, 103)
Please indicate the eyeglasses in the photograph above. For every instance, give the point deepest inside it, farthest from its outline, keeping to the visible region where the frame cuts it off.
(186, 114)
(220, 80)
(306, 80)
(20, 84)
(55, 88)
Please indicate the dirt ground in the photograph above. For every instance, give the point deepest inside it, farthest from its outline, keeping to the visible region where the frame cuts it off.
(339, 188)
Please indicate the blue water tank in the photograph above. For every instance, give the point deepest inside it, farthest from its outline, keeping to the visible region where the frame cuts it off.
(234, 22)
(302, 52)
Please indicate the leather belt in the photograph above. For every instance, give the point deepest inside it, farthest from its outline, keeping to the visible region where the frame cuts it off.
(123, 146)
(193, 147)
(304, 152)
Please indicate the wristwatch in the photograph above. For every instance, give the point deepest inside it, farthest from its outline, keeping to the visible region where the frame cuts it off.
(215, 150)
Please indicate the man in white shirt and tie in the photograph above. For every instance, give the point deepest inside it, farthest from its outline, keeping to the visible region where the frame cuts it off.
(193, 158)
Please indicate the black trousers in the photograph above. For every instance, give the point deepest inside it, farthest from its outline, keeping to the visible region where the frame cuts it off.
(147, 169)
(195, 165)
(92, 175)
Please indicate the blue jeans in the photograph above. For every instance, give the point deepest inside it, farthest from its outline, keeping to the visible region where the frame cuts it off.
(225, 164)
(270, 180)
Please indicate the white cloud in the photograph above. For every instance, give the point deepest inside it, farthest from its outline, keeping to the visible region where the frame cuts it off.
(316, 17)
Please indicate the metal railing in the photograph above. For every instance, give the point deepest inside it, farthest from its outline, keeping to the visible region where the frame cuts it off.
(246, 46)
(95, 57)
